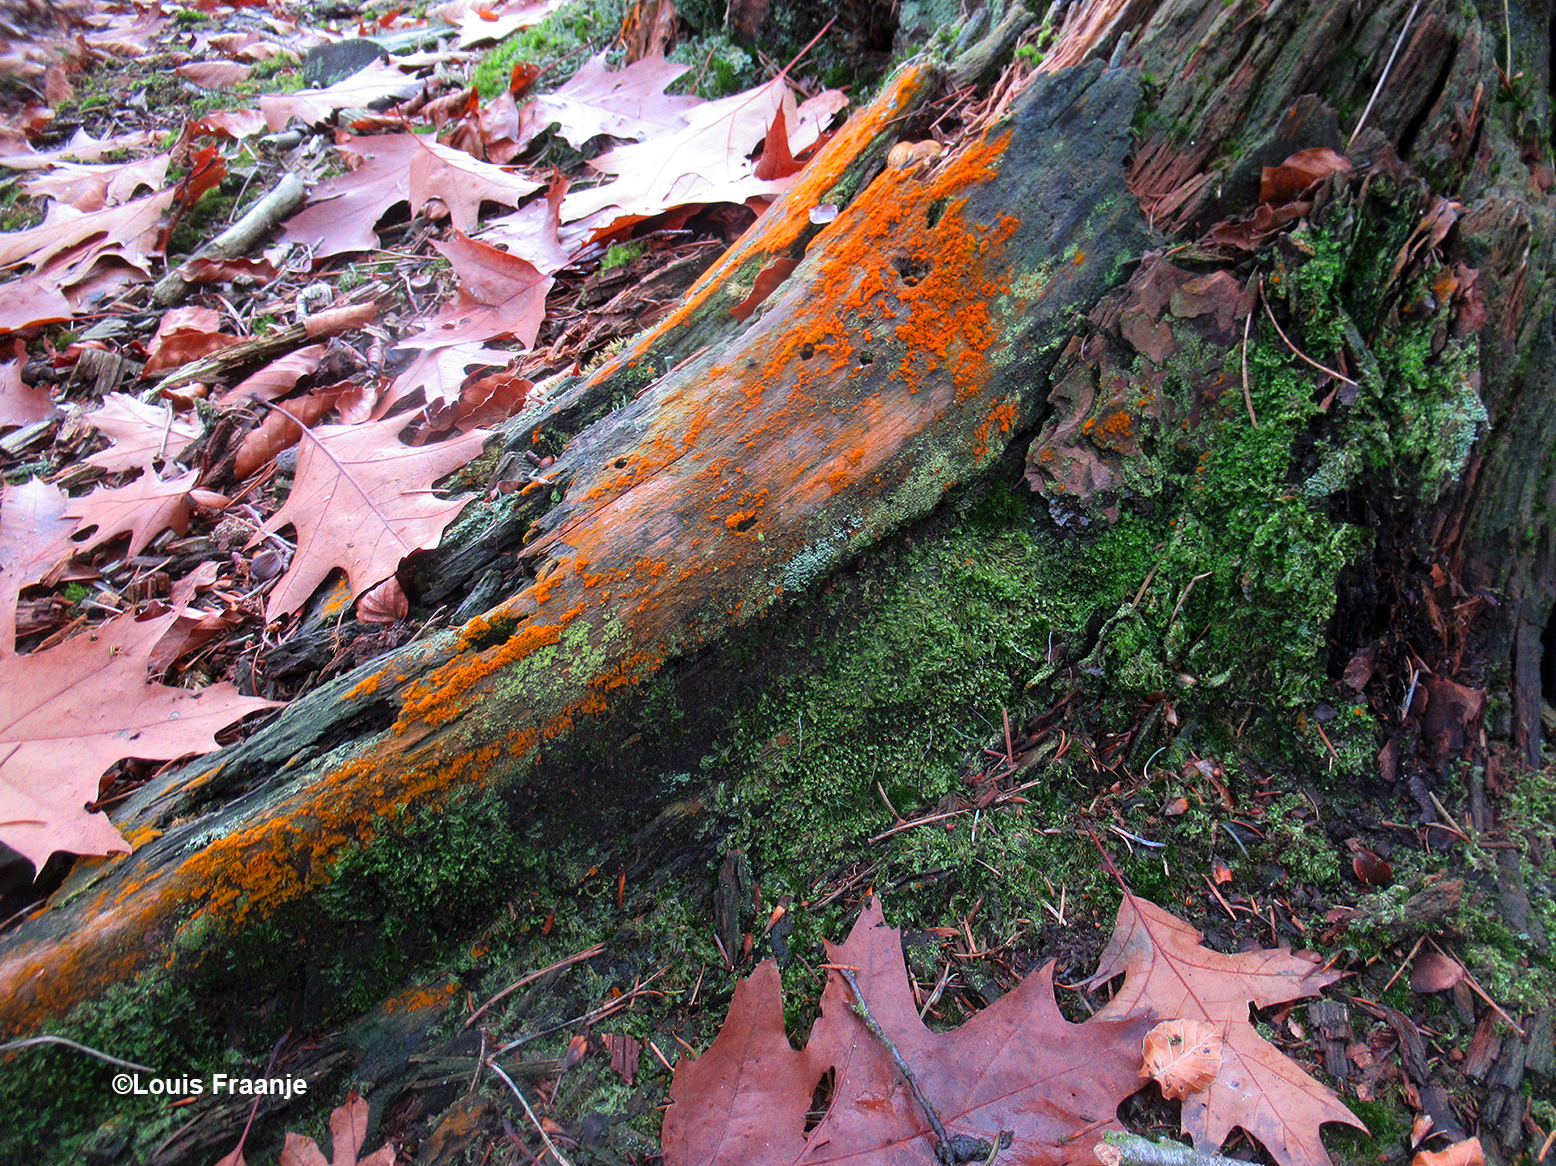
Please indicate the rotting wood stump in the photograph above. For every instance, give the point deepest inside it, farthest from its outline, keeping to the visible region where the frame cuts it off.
(899, 359)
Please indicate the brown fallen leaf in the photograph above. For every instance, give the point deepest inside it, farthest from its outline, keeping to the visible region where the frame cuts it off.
(1465, 1153)
(34, 537)
(281, 430)
(128, 232)
(361, 89)
(20, 403)
(1017, 1066)
(144, 508)
(183, 335)
(1283, 183)
(1182, 1056)
(362, 501)
(278, 378)
(629, 104)
(214, 74)
(462, 183)
(384, 604)
(348, 1130)
(1166, 971)
(68, 713)
(1435, 972)
(140, 433)
(90, 186)
(342, 211)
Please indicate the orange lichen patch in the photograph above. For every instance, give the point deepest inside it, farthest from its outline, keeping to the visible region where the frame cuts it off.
(740, 520)
(367, 686)
(786, 220)
(141, 835)
(439, 697)
(420, 998)
(279, 855)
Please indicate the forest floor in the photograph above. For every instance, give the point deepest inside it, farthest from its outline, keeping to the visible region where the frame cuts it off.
(622, 946)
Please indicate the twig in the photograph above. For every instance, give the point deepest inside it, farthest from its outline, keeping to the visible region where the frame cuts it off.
(1124, 1149)
(1247, 395)
(530, 1113)
(943, 1149)
(901, 826)
(1300, 354)
(1378, 88)
(70, 1044)
(587, 954)
(236, 240)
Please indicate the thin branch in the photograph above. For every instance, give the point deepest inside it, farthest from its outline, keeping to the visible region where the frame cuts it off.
(530, 1113)
(587, 954)
(1378, 88)
(70, 1044)
(1300, 354)
(943, 1149)
(1248, 396)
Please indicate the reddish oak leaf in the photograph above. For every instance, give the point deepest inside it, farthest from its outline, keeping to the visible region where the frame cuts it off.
(128, 232)
(440, 372)
(1259, 1088)
(140, 432)
(68, 713)
(462, 183)
(313, 106)
(362, 502)
(145, 508)
(92, 186)
(34, 536)
(1018, 1066)
(342, 212)
(21, 404)
(186, 334)
(629, 104)
(278, 378)
(214, 74)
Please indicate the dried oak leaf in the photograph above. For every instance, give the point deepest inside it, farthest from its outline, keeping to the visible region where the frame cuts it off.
(140, 432)
(362, 501)
(348, 1130)
(462, 183)
(91, 186)
(1167, 972)
(1182, 1056)
(628, 104)
(68, 713)
(183, 335)
(128, 232)
(34, 536)
(313, 106)
(20, 403)
(1465, 1153)
(342, 211)
(145, 508)
(1017, 1066)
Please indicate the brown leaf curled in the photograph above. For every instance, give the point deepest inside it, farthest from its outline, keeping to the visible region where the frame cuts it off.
(1182, 1056)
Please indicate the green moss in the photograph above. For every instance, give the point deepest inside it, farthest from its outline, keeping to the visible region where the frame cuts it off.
(621, 254)
(559, 44)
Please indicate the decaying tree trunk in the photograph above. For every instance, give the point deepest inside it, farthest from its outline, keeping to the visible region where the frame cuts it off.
(1041, 280)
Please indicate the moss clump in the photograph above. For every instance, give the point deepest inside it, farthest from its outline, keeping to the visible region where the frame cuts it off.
(559, 44)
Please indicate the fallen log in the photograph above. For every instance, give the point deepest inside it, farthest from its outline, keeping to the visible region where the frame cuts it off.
(894, 364)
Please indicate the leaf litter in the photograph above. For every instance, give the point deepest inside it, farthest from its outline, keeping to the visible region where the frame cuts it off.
(1017, 1082)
